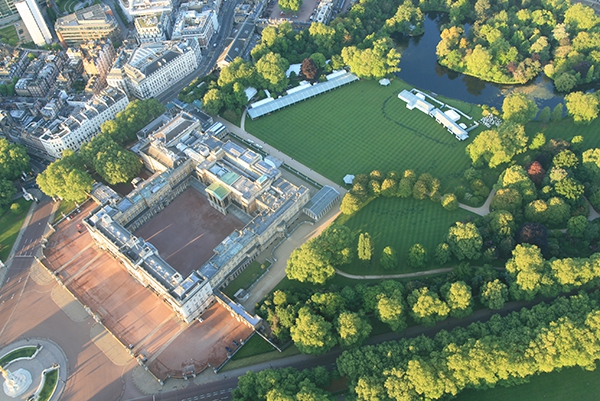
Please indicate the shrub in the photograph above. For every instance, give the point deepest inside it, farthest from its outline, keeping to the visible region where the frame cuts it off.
(449, 201)
(16, 208)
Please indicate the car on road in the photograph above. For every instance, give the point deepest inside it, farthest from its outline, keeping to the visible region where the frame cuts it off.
(250, 141)
(258, 146)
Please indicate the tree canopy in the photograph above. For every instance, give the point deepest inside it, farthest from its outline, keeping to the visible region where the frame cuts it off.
(582, 106)
(518, 108)
(14, 160)
(465, 241)
(498, 145)
(289, 5)
(66, 178)
(312, 334)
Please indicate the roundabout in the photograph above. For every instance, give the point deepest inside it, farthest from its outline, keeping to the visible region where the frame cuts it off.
(32, 369)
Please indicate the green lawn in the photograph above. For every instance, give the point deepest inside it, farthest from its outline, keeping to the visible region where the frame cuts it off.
(8, 35)
(566, 129)
(255, 346)
(246, 278)
(11, 224)
(18, 353)
(49, 385)
(65, 207)
(401, 223)
(264, 357)
(568, 384)
(361, 127)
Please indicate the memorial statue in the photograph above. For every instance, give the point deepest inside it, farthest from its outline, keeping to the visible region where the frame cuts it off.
(15, 383)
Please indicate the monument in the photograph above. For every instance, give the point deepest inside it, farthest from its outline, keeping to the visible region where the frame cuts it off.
(17, 382)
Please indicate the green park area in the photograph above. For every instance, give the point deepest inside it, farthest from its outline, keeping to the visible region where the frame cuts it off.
(246, 278)
(362, 127)
(11, 224)
(50, 382)
(25, 352)
(8, 35)
(400, 223)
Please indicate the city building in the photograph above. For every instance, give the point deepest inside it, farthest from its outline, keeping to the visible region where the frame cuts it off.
(91, 23)
(34, 21)
(153, 28)
(12, 63)
(97, 58)
(7, 8)
(40, 77)
(82, 125)
(193, 24)
(232, 177)
(138, 8)
(238, 45)
(153, 68)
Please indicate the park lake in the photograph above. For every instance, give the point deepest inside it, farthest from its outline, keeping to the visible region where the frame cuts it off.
(419, 67)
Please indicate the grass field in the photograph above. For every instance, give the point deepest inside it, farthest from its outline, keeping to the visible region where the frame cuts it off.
(400, 223)
(566, 385)
(566, 129)
(361, 127)
(50, 382)
(11, 224)
(65, 207)
(18, 353)
(246, 278)
(8, 35)
(254, 346)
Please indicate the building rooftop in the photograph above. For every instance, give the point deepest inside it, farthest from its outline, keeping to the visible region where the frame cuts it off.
(87, 16)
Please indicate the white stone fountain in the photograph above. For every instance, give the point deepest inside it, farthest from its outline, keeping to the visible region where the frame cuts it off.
(17, 382)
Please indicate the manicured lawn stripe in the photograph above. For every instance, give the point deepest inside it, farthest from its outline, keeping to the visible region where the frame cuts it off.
(568, 384)
(361, 127)
(11, 224)
(401, 223)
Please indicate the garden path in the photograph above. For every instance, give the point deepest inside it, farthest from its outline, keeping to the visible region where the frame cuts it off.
(481, 210)
(391, 276)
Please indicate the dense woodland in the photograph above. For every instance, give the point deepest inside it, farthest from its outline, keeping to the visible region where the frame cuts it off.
(14, 161)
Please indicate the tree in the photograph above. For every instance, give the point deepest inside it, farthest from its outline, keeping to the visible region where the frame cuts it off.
(309, 69)
(527, 267)
(544, 116)
(309, 264)
(442, 253)
(272, 67)
(389, 187)
(328, 304)
(465, 241)
(389, 258)
(14, 160)
(289, 5)
(312, 334)
(557, 112)
(582, 106)
(539, 139)
(7, 191)
(408, 20)
(16, 208)
(458, 297)
(576, 226)
(494, 294)
(591, 164)
(351, 203)
(449, 202)
(115, 164)
(213, 101)
(536, 172)
(426, 307)
(570, 188)
(365, 247)
(376, 62)
(314, 261)
(497, 146)
(534, 234)
(391, 310)
(352, 329)
(417, 256)
(519, 108)
(565, 159)
(66, 178)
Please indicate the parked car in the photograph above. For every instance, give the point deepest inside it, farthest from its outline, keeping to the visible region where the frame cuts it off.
(228, 349)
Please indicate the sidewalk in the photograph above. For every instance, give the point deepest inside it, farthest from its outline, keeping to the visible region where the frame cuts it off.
(390, 276)
(482, 210)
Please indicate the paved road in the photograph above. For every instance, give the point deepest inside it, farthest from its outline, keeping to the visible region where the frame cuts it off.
(220, 389)
(209, 56)
(27, 310)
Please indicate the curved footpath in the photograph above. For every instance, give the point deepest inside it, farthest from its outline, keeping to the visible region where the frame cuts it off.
(390, 276)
